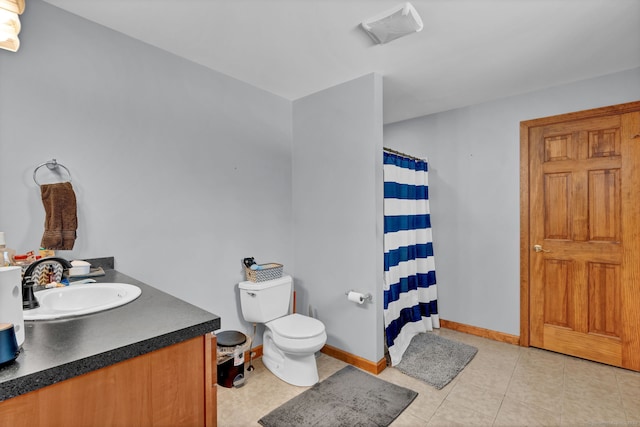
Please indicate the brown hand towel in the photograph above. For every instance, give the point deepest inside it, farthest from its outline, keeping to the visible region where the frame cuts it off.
(61, 221)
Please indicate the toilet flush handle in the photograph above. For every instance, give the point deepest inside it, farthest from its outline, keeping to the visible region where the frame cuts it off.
(251, 294)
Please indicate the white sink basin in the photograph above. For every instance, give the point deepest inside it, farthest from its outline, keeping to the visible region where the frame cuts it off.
(76, 300)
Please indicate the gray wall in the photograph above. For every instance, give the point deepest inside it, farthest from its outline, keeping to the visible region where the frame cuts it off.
(179, 171)
(474, 190)
(337, 209)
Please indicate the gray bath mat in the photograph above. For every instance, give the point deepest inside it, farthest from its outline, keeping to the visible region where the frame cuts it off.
(435, 360)
(350, 397)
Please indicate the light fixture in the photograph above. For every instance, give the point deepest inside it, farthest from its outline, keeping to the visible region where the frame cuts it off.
(10, 24)
(394, 23)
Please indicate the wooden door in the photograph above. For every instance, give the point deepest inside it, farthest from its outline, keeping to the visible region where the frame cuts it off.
(581, 245)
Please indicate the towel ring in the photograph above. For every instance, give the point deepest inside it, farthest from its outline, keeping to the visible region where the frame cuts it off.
(51, 164)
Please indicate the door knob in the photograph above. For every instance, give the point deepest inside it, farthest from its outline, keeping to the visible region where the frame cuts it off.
(539, 248)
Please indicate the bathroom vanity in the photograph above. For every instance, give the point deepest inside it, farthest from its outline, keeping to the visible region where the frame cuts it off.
(151, 362)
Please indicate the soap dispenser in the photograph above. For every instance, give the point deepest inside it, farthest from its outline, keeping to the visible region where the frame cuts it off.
(6, 254)
(11, 300)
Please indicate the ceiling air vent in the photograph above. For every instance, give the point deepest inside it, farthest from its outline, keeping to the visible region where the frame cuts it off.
(394, 23)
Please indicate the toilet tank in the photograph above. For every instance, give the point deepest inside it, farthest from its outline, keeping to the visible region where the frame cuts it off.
(262, 302)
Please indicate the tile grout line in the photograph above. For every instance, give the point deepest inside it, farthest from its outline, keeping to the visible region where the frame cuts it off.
(506, 391)
(624, 408)
(442, 401)
(564, 389)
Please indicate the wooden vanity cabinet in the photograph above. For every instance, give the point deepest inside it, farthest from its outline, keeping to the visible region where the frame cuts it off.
(173, 386)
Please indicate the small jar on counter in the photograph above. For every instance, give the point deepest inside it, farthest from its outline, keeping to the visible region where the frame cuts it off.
(24, 260)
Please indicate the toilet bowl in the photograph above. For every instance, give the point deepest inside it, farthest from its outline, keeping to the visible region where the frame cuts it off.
(289, 347)
(290, 341)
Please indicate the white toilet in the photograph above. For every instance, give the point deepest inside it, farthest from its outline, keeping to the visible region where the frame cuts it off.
(290, 340)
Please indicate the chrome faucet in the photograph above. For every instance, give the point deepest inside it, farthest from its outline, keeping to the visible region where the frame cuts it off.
(29, 299)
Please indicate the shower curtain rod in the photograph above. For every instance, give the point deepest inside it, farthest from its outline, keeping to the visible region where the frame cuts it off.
(402, 154)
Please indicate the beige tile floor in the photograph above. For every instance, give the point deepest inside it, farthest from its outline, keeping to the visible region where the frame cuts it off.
(504, 385)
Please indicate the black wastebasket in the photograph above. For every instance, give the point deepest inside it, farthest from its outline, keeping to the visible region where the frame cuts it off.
(230, 355)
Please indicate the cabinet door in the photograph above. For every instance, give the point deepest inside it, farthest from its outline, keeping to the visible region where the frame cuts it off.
(177, 385)
(117, 395)
(20, 411)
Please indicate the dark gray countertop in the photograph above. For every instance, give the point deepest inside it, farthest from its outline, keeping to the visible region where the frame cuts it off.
(57, 350)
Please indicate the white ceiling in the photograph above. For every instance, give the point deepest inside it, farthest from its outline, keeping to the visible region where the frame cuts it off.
(469, 51)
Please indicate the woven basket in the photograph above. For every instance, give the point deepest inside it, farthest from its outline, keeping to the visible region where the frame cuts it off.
(269, 272)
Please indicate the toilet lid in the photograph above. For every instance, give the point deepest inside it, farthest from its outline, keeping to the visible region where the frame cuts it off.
(297, 326)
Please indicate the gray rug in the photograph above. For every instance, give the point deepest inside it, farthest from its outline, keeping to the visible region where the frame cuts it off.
(350, 397)
(435, 360)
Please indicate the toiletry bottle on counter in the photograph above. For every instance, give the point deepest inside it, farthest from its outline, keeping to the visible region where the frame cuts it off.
(6, 255)
(22, 260)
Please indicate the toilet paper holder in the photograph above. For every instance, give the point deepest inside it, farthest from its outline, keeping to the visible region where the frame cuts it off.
(365, 297)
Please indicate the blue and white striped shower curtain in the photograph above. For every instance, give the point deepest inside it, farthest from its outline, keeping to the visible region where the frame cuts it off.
(410, 292)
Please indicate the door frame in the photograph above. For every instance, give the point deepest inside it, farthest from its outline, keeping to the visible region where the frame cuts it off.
(525, 244)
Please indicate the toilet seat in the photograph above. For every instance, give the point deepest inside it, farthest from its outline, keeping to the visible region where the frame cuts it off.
(297, 326)
(297, 334)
